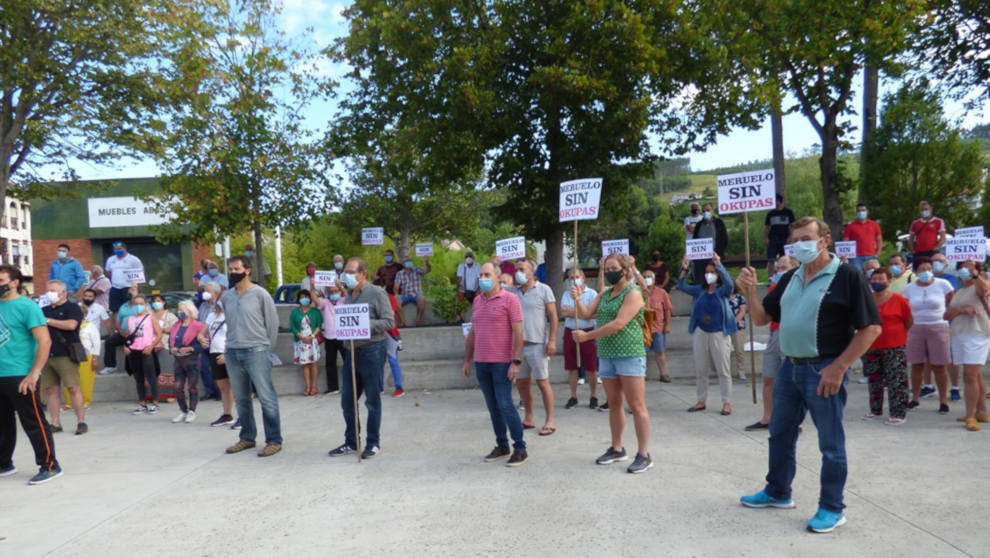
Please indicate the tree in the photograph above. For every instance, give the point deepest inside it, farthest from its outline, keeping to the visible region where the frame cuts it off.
(955, 46)
(79, 79)
(916, 155)
(235, 153)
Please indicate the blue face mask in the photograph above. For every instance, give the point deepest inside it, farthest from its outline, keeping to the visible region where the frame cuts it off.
(118, 252)
(304, 301)
(925, 276)
(408, 265)
(139, 308)
(338, 265)
(388, 259)
(62, 254)
(486, 284)
(896, 270)
(350, 280)
(706, 215)
(806, 251)
(963, 274)
(869, 273)
(878, 287)
(158, 305)
(938, 267)
(861, 215)
(248, 254)
(214, 272)
(334, 297)
(182, 316)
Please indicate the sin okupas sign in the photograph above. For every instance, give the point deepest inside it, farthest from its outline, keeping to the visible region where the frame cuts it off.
(744, 192)
(580, 199)
(353, 321)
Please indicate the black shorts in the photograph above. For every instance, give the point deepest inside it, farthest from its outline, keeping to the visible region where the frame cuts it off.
(117, 298)
(775, 248)
(219, 371)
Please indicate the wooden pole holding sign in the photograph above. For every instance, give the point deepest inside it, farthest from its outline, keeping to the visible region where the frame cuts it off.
(579, 200)
(752, 352)
(353, 321)
(577, 345)
(357, 412)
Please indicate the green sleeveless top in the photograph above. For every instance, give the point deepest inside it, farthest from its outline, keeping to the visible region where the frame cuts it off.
(628, 342)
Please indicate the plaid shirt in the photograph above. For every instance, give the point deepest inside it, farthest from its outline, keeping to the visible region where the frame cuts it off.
(409, 282)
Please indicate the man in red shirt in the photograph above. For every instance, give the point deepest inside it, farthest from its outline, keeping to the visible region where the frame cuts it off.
(866, 233)
(927, 233)
(495, 344)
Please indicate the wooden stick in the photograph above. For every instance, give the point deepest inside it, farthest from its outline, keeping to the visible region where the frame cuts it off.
(752, 353)
(577, 345)
(357, 413)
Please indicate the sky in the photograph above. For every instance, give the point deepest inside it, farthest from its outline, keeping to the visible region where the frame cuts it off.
(319, 22)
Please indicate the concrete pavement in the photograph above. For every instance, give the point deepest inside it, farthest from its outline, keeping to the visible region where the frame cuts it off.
(141, 485)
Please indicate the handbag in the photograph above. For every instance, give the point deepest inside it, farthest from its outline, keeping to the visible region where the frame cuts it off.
(132, 335)
(646, 325)
(77, 352)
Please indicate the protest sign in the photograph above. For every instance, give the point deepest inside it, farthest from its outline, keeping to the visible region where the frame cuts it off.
(970, 232)
(353, 321)
(620, 246)
(511, 248)
(134, 275)
(466, 328)
(746, 191)
(580, 199)
(324, 278)
(372, 236)
(845, 249)
(788, 249)
(700, 249)
(966, 248)
(423, 250)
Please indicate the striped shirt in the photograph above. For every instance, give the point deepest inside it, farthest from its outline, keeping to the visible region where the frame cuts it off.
(492, 319)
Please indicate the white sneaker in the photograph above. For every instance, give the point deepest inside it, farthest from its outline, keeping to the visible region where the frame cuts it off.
(106, 371)
(863, 380)
(139, 409)
(190, 416)
(179, 417)
(152, 409)
(580, 381)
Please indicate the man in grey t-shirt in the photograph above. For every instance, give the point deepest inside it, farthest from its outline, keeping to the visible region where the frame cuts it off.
(539, 308)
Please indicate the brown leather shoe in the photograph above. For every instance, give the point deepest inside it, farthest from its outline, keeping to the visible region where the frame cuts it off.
(269, 450)
(241, 445)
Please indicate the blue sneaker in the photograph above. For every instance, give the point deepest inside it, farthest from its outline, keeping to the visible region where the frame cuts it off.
(763, 500)
(927, 391)
(954, 394)
(826, 521)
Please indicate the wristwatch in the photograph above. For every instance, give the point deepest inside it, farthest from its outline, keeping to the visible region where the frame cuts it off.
(517, 362)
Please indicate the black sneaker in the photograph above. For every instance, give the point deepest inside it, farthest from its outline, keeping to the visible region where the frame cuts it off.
(498, 453)
(81, 428)
(56, 428)
(943, 409)
(641, 464)
(224, 420)
(8, 470)
(44, 476)
(518, 458)
(571, 403)
(370, 452)
(594, 403)
(603, 407)
(912, 404)
(612, 455)
(342, 449)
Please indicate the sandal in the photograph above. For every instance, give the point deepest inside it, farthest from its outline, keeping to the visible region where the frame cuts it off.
(895, 421)
(528, 426)
(869, 416)
(972, 425)
(665, 379)
(547, 430)
(726, 412)
(696, 408)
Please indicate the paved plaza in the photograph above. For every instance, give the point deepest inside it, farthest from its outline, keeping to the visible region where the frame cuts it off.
(139, 485)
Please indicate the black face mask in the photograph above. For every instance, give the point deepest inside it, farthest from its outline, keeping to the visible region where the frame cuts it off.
(236, 277)
(4, 289)
(613, 277)
(695, 211)
(656, 257)
(88, 302)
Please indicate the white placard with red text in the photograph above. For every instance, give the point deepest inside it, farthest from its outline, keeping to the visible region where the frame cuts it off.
(845, 249)
(580, 199)
(372, 236)
(424, 250)
(324, 278)
(620, 246)
(744, 192)
(700, 249)
(134, 276)
(352, 321)
(966, 248)
(511, 248)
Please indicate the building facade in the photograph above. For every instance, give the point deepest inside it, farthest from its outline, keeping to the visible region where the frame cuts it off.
(15, 236)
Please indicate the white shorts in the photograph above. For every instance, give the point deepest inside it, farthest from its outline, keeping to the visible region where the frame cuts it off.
(970, 348)
(535, 362)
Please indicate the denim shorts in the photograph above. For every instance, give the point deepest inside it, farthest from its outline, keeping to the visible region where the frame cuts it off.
(659, 343)
(409, 299)
(611, 368)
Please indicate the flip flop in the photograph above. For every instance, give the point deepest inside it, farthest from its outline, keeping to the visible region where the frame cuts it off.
(547, 430)
(528, 426)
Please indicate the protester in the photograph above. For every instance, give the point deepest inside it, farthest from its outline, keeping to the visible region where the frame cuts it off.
(182, 344)
(69, 271)
(969, 313)
(117, 267)
(869, 266)
(252, 331)
(259, 276)
(144, 334)
(927, 233)
(331, 347)
(867, 235)
(902, 275)
(940, 266)
(308, 282)
(495, 344)
(621, 357)
(657, 300)
(100, 285)
(712, 227)
(388, 272)
(711, 326)
(200, 273)
(467, 276)
(928, 338)
(213, 338)
(213, 275)
(338, 263)
(117, 335)
(89, 335)
(589, 351)
(210, 296)
(409, 286)
(506, 280)
(62, 369)
(22, 357)
(369, 361)
(885, 364)
(539, 342)
(737, 304)
(661, 274)
(818, 353)
(306, 323)
(772, 357)
(508, 267)
(692, 220)
(775, 228)
(166, 320)
(393, 343)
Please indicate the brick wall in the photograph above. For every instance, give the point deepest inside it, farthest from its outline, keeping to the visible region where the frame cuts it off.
(44, 252)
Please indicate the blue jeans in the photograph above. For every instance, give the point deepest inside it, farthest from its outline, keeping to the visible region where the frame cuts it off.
(209, 385)
(244, 368)
(393, 363)
(794, 394)
(493, 377)
(369, 368)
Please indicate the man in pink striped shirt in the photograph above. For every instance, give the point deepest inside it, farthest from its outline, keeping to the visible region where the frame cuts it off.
(495, 345)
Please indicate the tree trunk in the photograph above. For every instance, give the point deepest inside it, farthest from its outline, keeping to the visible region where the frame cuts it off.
(777, 135)
(871, 84)
(832, 211)
(405, 227)
(259, 252)
(554, 258)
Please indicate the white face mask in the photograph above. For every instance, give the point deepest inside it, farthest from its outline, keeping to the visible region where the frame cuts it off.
(520, 278)
(578, 281)
(207, 295)
(711, 278)
(649, 281)
(52, 296)
(806, 251)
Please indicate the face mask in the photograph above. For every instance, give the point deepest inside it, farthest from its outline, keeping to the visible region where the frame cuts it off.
(711, 278)
(311, 272)
(869, 273)
(118, 252)
(806, 251)
(139, 308)
(158, 305)
(578, 282)
(504, 286)
(520, 278)
(182, 316)
(388, 259)
(334, 297)
(896, 270)
(878, 287)
(964, 274)
(613, 277)
(469, 260)
(486, 284)
(62, 254)
(207, 295)
(649, 281)
(926, 276)
(237, 277)
(350, 280)
(776, 277)
(656, 257)
(408, 265)
(214, 272)
(4, 289)
(861, 215)
(304, 301)
(925, 213)
(338, 265)
(938, 267)
(707, 215)
(248, 253)
(52, 296)
(88, 302)
(694, 211)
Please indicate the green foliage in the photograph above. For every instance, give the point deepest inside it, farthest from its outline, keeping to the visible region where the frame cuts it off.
(447, 301)
(666, 233)
(954, 46)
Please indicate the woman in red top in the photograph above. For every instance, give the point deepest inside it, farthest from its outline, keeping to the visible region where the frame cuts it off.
(393, 343)
(885, 364)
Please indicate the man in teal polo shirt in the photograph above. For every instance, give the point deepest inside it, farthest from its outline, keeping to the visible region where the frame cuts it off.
(828, 319)
(24, 346)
